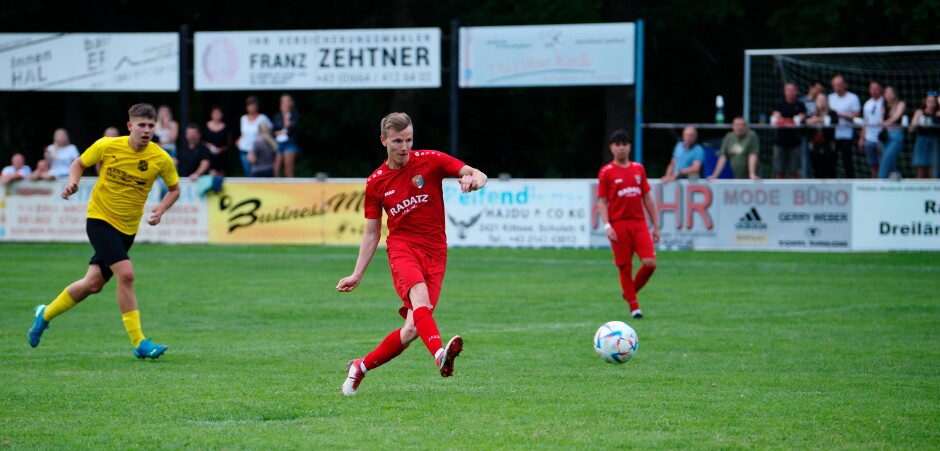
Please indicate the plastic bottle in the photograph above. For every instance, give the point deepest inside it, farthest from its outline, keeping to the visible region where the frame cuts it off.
(719, 110)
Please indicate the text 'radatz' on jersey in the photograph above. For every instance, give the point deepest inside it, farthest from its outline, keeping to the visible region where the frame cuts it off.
(408, 204)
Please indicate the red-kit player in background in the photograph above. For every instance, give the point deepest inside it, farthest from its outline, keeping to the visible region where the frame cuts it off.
(408, 187)
(622, 194)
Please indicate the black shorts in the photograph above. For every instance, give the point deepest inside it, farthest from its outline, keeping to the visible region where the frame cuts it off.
(110, 245)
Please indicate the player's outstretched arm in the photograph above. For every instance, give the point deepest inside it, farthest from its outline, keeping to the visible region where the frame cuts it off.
(471, 179)
(370, 241)
(173, 193)
(75, 175)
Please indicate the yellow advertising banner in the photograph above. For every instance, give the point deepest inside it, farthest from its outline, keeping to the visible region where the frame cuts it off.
(301, 212)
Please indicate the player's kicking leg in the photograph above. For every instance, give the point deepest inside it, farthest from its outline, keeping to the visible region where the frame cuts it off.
(68, 298)
(445, 361)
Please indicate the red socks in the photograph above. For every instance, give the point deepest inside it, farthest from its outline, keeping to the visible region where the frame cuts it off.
(626, 284)
(643, 276)
(390, 348)
(427, 329)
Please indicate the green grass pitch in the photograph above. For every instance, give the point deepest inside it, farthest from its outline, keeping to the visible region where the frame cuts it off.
(737, 350)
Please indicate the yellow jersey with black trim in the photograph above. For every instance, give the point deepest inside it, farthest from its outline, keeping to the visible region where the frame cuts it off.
(125, 180)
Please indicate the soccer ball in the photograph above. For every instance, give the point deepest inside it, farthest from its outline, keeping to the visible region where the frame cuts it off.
(615, 342)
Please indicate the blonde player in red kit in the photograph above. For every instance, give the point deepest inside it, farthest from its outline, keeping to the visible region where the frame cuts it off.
(622, 193)
(408, 187)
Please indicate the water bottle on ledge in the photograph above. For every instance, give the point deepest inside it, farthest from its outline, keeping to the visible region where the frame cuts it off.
(719, 110)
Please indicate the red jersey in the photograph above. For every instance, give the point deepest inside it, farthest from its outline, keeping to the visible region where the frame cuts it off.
(413, 198)
(624, 188)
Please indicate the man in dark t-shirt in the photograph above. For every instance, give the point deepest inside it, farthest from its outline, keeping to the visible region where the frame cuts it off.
(195, 158)
(788, 146)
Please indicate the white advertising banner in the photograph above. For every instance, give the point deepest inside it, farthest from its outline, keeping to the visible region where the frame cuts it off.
(35, 211)
(896, 216)
(547, 55)
(109, 62)
(318, 59)
(784, 215)
(519, 213)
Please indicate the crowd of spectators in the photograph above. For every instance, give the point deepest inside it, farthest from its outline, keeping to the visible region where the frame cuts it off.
(822, 127)
(266, 148)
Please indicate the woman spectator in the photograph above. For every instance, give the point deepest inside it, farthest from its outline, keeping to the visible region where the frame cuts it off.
(217, 137)
(167, 130)
(893, 110)
(249, 124)
(285, 128)
(263, 152)
(926, 117)
(60, 154)
(822, 144)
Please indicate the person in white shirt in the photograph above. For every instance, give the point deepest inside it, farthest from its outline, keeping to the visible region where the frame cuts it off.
(847, 106)
(61, 153)
(249, 124)
(15, 171)
(873, 112)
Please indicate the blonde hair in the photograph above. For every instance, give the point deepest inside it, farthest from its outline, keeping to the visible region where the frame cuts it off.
(264, 132)
(395, 121)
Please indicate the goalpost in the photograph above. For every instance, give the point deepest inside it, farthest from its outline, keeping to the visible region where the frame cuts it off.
(912, 70)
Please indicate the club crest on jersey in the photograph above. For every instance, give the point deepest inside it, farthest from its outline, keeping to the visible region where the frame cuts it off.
(637, 179)
(142, 165)
(418, 181)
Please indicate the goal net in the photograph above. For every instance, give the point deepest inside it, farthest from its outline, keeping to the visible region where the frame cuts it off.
(912, 70)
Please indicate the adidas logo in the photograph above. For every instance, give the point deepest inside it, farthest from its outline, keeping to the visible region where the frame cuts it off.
(751, 221)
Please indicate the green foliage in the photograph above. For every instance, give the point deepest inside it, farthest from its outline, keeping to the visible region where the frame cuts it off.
(738, 350)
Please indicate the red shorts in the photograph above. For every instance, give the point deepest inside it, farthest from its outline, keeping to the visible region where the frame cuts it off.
(412, 265)
(633, 235)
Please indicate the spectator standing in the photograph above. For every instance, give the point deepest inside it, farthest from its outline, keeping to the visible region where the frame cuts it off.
(809, 99)
(167, 131)
(822, 143)
(60, 153)
(285, 133)
(17, 170)
(873, 113)
(687, 157)
(218, 139)
(847, 107)
(42, 171)
(249, 125)
(926, 116)
(263, 153)
(893, 111)
(194, 160)
(741, 146)
(788, 145)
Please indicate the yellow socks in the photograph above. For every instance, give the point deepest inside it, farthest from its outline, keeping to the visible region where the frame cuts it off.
(132, 324)
(60, 305)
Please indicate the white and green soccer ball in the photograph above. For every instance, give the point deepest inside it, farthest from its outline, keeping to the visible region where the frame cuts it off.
(615, 342)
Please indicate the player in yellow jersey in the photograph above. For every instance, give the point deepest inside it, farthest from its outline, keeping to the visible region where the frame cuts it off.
(129, 167)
